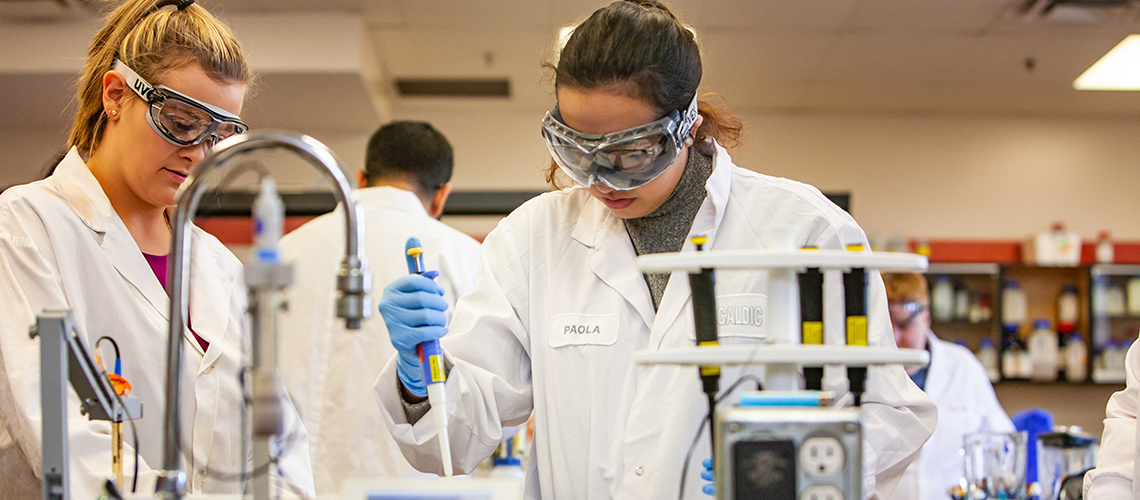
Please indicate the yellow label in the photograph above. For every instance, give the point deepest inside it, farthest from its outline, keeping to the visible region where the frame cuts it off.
(436, 363)
(856, 330)
(813, 332)
(710, 370)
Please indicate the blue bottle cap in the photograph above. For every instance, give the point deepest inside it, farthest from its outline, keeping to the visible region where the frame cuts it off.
(987, 343)
(1069, 289)
(506, 462)
(1075, 338)
(1011, 284)
(1040, 324)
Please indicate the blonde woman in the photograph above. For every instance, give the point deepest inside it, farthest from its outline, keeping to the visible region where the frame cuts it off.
(163, 82)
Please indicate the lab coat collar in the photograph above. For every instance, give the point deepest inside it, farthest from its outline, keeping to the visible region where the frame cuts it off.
(211, 291)
(81, 189)
(611, 252)
(705, 223)
(391, 197)
(211, 283)
(601, 230)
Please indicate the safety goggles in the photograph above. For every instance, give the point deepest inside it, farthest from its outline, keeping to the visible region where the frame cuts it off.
(909, 311)
(622, 160)
(180, 119)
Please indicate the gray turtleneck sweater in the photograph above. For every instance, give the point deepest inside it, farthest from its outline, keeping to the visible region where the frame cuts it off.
(666, 228)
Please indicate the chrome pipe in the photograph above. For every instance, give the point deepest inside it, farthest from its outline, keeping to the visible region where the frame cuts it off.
(353, 281)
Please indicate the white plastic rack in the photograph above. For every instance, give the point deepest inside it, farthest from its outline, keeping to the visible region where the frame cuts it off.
(783, 354)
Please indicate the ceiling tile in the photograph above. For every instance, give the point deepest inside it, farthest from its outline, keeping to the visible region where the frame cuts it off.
(478, 15)
(870, 59)
(926, 16)
(776, 15)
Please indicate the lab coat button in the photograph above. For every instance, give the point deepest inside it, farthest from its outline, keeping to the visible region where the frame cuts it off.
(639, 471)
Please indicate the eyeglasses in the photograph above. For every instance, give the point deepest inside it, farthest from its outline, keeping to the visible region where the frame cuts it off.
(623, 160)
(911, 310)
(181, 119)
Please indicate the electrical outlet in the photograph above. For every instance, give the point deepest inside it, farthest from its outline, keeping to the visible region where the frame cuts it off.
(822, 493)
(821, 456)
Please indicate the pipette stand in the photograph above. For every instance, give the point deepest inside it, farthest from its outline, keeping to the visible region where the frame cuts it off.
(782, 353)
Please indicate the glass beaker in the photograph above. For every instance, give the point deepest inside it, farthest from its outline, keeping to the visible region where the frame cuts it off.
(995, 465)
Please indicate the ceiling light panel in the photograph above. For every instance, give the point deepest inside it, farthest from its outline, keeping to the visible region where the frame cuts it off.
(1119, 69)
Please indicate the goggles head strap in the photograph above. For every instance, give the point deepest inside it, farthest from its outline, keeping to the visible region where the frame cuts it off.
(687, 120)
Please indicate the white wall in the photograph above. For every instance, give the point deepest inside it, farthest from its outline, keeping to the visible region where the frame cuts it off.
(911, 176)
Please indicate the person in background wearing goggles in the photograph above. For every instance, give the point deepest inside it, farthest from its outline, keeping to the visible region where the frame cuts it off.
(560, 308)
(955, 380)
(163, 82)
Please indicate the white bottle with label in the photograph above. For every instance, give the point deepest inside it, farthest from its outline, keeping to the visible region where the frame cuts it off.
(1068, 309)
(1105, 252)
(1076, 359)
(1134, 296)
(1014, 307)
(1114, 302)
(961, 304)
(1043, 351)
(1011, 362)
(942, 299)
(1099, 295)
(988, 356)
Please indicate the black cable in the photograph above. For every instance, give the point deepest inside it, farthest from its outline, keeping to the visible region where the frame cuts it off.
(130, 419)
(113, 344)
(708, 419)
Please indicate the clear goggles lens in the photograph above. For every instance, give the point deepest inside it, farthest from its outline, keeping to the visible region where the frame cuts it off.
(622, 160)
(181, 119)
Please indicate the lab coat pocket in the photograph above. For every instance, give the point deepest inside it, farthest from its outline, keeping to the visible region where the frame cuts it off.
(583, 329)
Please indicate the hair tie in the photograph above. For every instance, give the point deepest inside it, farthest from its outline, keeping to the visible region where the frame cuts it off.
(181, 4)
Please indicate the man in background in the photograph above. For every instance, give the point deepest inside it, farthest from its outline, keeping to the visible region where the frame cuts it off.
(328, 370)
(955, 380)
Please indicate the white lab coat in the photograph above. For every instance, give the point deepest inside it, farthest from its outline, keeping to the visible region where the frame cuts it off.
(1112, 479)
(558, 313)
(330, 370)
(959, 387)
(63, 246)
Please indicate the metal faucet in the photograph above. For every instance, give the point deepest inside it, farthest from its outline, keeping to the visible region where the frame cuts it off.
(353, 280)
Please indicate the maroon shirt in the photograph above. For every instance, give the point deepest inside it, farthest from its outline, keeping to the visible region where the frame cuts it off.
(158, 265)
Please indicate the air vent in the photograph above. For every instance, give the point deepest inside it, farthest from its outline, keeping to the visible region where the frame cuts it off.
(1080, 11)
(459, 87)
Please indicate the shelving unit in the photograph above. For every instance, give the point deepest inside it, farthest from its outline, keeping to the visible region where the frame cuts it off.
(1107, 325)
(982, 278)
(1042, 286)
(1071, 403)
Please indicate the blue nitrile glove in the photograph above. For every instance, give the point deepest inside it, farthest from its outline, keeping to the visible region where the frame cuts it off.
(413, 309)
(707, 475)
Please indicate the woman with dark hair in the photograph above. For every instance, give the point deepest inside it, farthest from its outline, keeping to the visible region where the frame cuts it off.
(560, 308)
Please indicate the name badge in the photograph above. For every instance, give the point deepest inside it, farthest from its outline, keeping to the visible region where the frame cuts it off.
(584, 329)
(742, 315)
